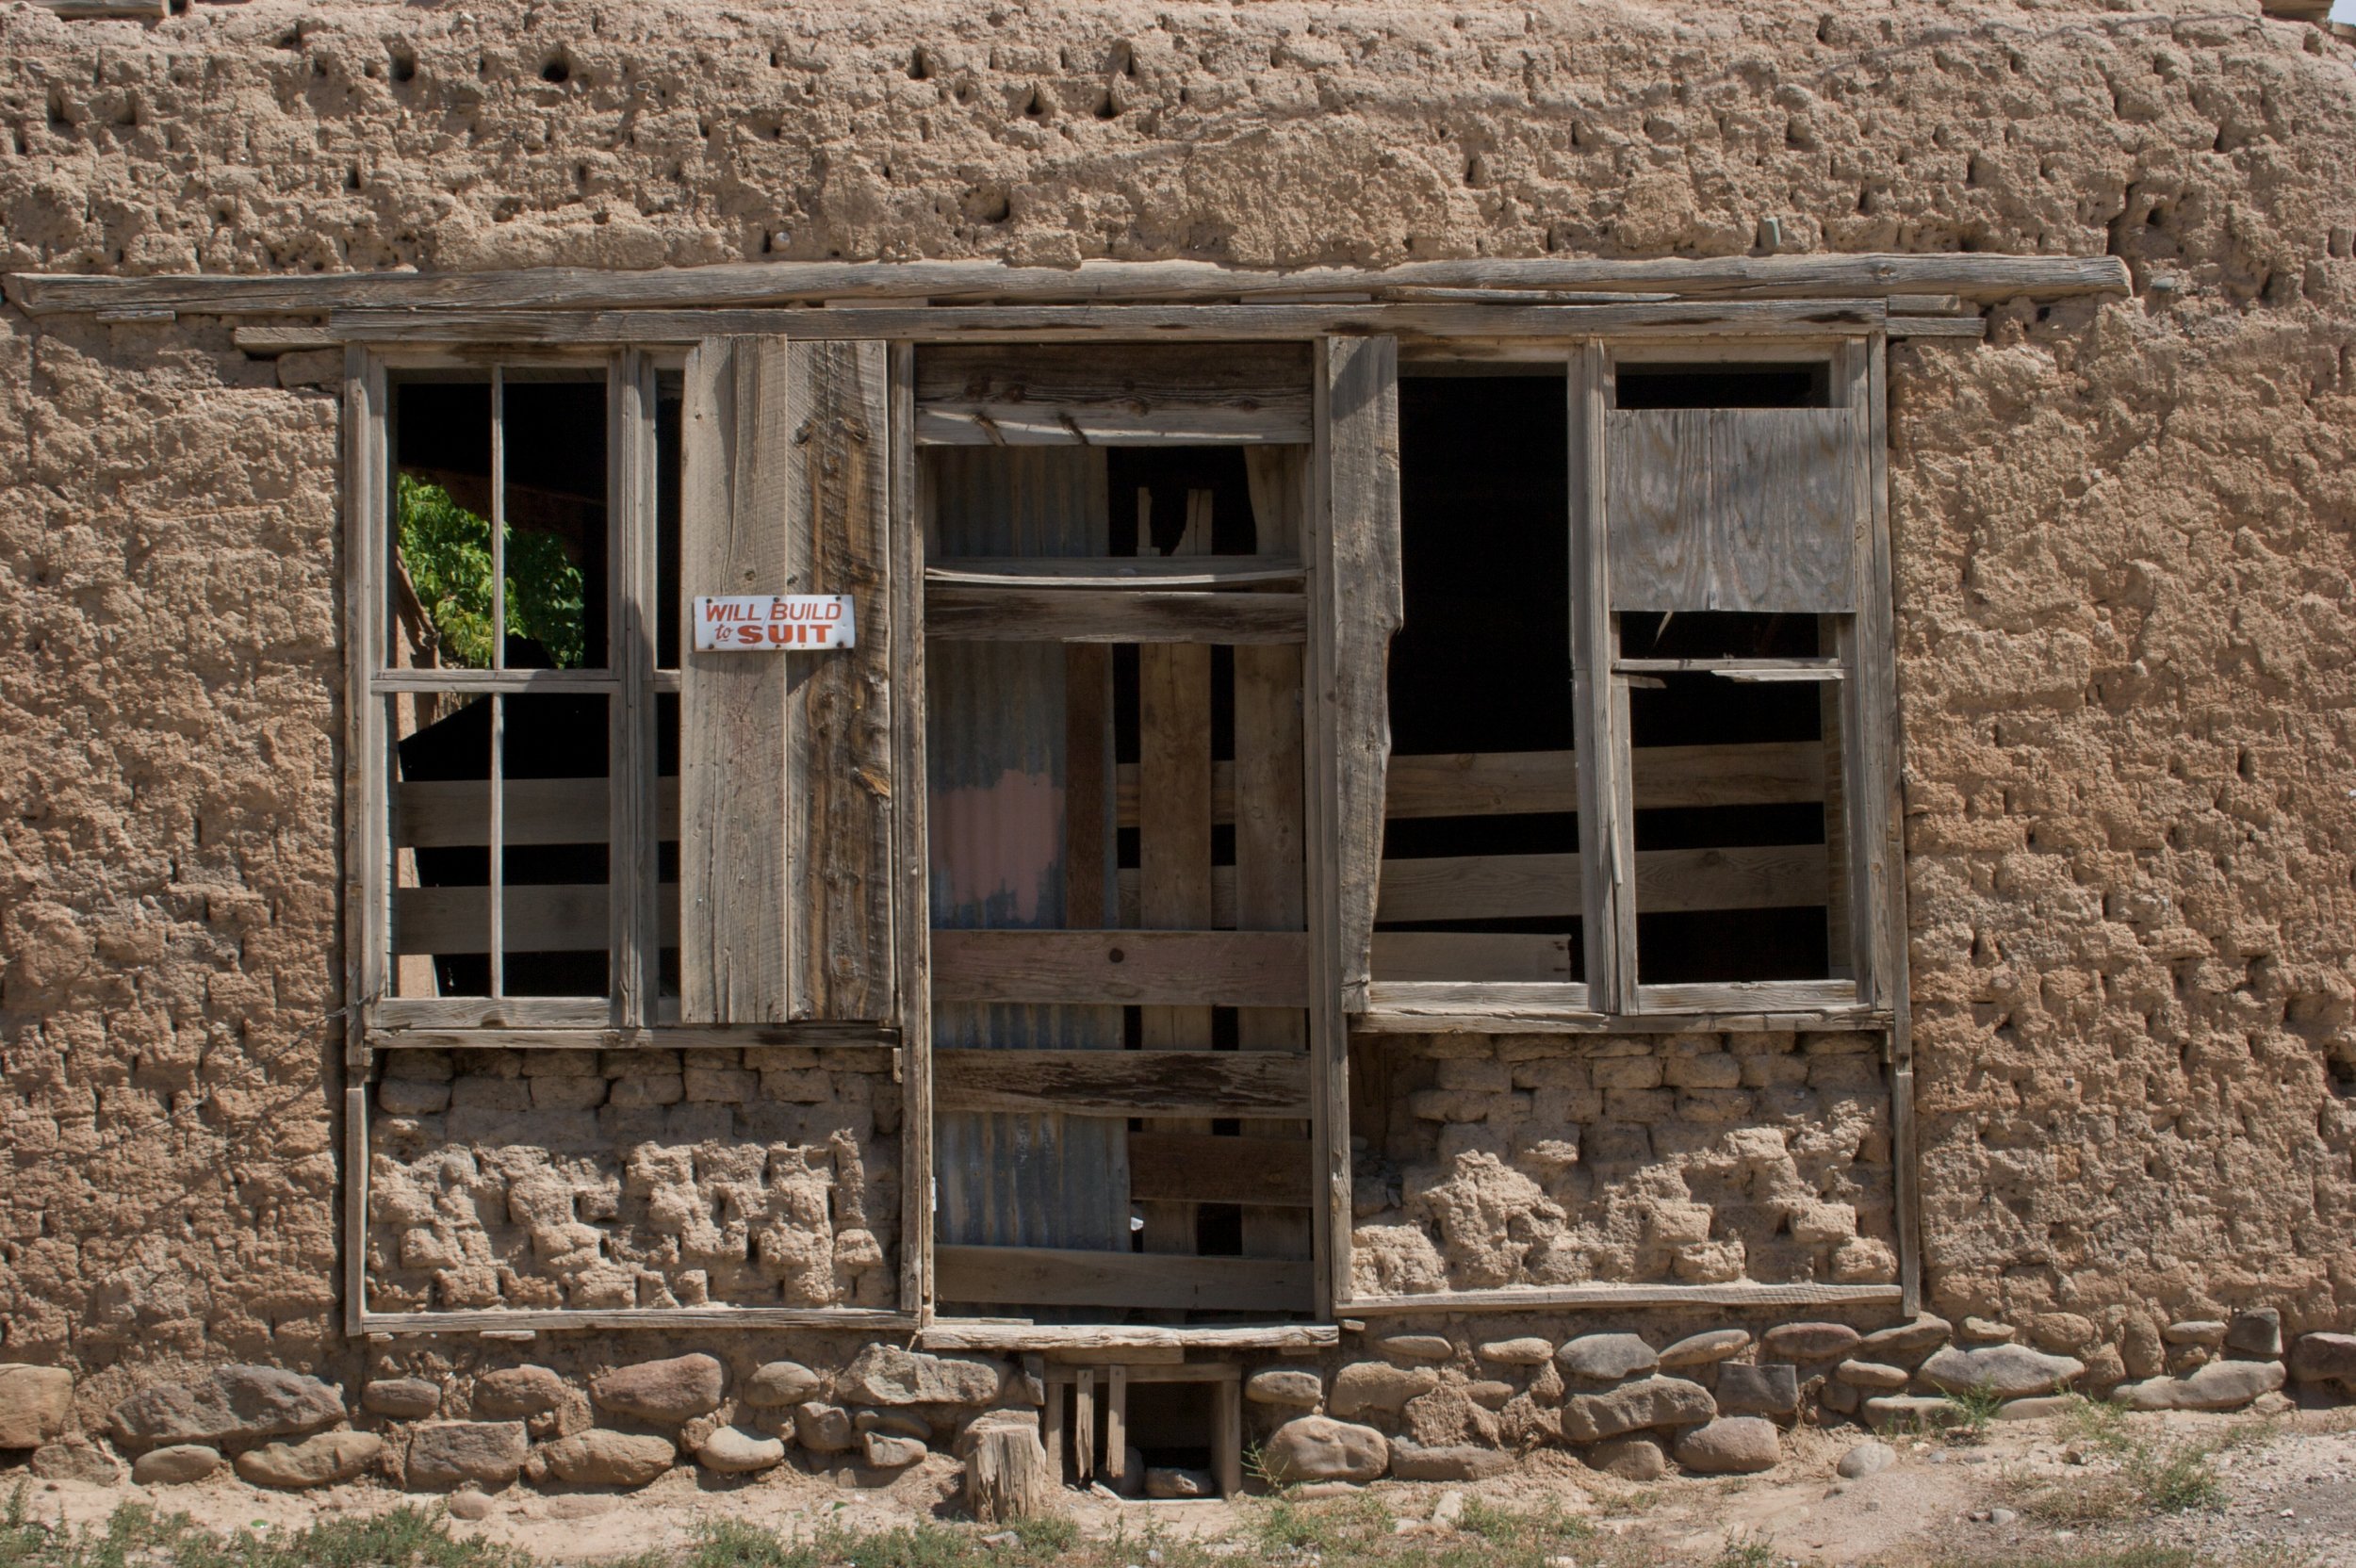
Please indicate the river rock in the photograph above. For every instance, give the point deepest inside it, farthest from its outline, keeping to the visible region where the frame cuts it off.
(893, 1423)
(1605, 1358)
(2207, 1332)
(1987, 1330)
(2007, 1371)
(1877, 1375)
(444, 1454)
(1906, 1341)
(781, 1383)
(1731, 1445)
(469, 1504)
(1714, 1345)
(176, 1466)
(1528, 1351)
(1163, 1481)
(75, 1458)
(402, 1398)
(1771, 1388)
(1632, 1459)
(1417, 1347)
(1866, 1459)
(515, 1392)
(2256, 1333)
(884, 1451)
(824, 1429)
(734, 1451)
(1375, 1385)
(1806, 1342)
(601, 1458)
(229, 1404)
(889, 1375)
(668, 1392)
(2325, 1359)
(1655, 1401)
(1903, 1410)
(1318, 1449)
(1491, 1393)
(34, 1403)
(2037, 1406)
(2219, 1385)
(1286, 1385)
(320, 1460)
(1455, 1461)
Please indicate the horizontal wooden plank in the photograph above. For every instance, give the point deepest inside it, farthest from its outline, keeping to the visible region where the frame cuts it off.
(1972, 328)
(946, 1333)
(1813, 318)
(265, 341)
(1743, 996)
(1069, 1371)
(1205, 1168)
(1611, 1295)
(1529, 887)
(443, 813)
(482, 683)
(1055, 1277)
(1125, 1082)
(1148, 394)
(478, 1013)
(559, 1320)
(852, 1047)
(1257, 969)
(1115, 571)
(1420, 1008)
(538, 918)
(1112, 615)
(1471, 956)
(1973, 274)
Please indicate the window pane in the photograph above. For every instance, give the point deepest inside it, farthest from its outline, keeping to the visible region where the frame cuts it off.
(438, 610)
(554, 433)
(1741, 863)
(555, 923)
(440, 811)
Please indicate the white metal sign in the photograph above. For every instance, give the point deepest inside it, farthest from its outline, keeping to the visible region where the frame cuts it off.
(743, 623)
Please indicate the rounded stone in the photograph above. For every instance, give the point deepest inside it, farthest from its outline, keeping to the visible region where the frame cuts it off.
(1866, 1459)
(1906, 1340)
(1874, 1375)
(601, 1458)
(1700, 1350)
(517, 1391)
(1648, 1402)
(1374, 1385)
(34, 1403)
(1987, 1330)
(886, 1452)
(783, 1382)
(1455, 1461)
(2325, 1358)
(1632, 1459)
(1417, 1347)
(1169, 1481)
(1528, 1352)
(824, 1429)
(2207, 1332)
(1605, 1358)
(2007, 1371)
(444, 1454)
(1731, 1445)
(734, 1451)
(1490, 1394)
(177, 1466)
(1286, 1385)
(668, 1391)
(75, 1457)
(1318, 1449)
(320, 1460)
(402, 1398)
(1807, 1342)
(469, 1504)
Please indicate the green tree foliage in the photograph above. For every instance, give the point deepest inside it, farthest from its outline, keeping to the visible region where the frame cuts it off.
(447, 550)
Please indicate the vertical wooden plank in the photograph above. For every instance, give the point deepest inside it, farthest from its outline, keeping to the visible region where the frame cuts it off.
(1084, 1424)
(1832, 705)
(1227, 1442)
(734, 929)
(1116, 1425)
(911, 919)
(631, 745)
(1270, 893)
(1174, 837)
(1088, 794)
(1052, 1424)
(366, 839)
(1602, 765)
(839, 803)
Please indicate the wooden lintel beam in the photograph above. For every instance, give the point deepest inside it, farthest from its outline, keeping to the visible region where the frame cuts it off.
(1123, 1082)
(1044, 1276)
(1231, 968)
(1974, 275)
(1112, 615)
(952, 1335)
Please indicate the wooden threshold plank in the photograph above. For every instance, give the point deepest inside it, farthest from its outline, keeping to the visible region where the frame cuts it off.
(948, 1333)
(1123, 1082)
(1234, 969)
(1111, 571)
(1059, 1277)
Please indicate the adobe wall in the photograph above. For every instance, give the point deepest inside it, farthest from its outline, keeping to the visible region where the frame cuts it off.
(2123, 534)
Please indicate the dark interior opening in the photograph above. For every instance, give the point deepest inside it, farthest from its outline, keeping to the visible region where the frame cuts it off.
(1709, 385)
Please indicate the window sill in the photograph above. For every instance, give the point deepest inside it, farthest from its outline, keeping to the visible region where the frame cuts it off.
(1435, 1008)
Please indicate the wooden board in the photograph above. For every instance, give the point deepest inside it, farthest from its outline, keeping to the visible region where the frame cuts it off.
(1270, 894)
(786, 761)
(1209, 1168)
(1051, 1277)
(1077, 1341)
(1199, 1083)
(1524, 887)
(1111, 616)
(1123, 571)
(1734, 509)
(1471, 956)
(1255, 969)
(1148, 394)
(1542, 1299)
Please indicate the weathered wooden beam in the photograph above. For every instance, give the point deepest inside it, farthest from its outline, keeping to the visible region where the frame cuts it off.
(1206, 1167)
(1230, 969)
(1531, 1299)
(1112, 615)
(1974, 275)
(1520, 887)
(95, 10)
(520, 1320)
(1049, 1277)
(1155, 394)
(1415, 1007)
(952, 1335)
(1122, 1083)
(1471, 955)
(1125, 571)
(265, 341)
(851, 1047)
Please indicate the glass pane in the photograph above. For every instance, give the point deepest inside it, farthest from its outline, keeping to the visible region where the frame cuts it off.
(440, 811)
(1741, 862)
(438, 613)
(554, 437)
(555, 921)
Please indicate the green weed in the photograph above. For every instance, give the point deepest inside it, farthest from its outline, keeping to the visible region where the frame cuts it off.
(1968, 1414)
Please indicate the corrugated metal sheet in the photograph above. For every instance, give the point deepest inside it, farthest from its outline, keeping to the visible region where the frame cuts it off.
(995, 749)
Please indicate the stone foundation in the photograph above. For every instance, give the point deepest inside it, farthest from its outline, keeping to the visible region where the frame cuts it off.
(762, 1177)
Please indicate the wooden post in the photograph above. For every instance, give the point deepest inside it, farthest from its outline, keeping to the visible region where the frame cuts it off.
(1083, 1424)
(1227, 1437)
(1007, 1473)
(1051, 1425)
(1117, 1425)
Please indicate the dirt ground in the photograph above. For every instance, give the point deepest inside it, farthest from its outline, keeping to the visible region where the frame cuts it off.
(2275, 1491)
